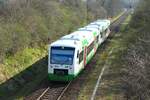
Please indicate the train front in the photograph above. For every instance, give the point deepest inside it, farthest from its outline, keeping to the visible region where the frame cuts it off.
(61, 63)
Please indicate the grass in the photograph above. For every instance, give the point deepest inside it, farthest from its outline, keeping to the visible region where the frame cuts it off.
(24, 82)
(30, 70)
(125, 23)
(111, 81)
(20, 61)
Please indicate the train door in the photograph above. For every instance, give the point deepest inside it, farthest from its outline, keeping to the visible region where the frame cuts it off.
(103, 34)
(81, 58)
(84, 56)
(100, 38)
(108, 32)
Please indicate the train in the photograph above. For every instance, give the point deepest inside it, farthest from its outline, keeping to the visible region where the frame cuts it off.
(70, 54)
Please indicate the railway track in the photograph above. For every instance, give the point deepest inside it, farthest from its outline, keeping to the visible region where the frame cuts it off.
(53, 92)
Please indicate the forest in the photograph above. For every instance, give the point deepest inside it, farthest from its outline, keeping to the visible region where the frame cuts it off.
(26, 25)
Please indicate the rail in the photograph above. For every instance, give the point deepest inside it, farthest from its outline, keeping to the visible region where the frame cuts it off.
(54, 92)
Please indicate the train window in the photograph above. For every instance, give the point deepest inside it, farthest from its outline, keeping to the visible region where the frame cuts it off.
(103, 33)
(106, 31)
(62, 55)
(78, 54)
(80, 57)
(97, 38)
(90, 48)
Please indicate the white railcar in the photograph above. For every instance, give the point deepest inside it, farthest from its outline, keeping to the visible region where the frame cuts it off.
(69, 55)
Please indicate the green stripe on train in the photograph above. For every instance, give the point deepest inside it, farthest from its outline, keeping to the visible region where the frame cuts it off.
(85, 42)
(95, 33)
(53, 77)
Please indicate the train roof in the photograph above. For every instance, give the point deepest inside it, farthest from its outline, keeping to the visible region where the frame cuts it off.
(103, 20)
(75, 39)
(95, 24)
(92, 29)
(65, 43)
(84, 36)
(91, 25)
(104, 23)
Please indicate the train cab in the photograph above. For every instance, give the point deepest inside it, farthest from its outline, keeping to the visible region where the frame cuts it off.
(66, 56)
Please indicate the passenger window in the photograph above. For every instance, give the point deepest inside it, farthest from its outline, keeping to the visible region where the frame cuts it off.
(90, 48)
(103, 33)
(78, 54)
(97, 39)
(106, 31)
(80, 57)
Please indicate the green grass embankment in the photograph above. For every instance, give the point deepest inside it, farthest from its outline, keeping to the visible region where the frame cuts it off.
(20, 61)
(111, 86)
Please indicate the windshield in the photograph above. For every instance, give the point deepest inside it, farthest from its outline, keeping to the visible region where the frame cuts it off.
(62, 55)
